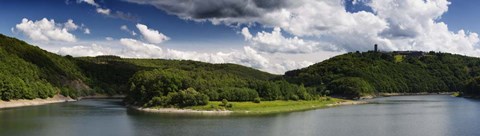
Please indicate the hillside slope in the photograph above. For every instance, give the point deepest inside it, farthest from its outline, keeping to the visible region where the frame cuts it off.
(368, 73)
(152, 82)
(29, 72)
(110, 74)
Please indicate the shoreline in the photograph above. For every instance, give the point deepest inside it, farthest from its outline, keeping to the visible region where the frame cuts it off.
(101, 96)
(239, 112)
(181, 111)
(409, 94)
(349, 102)
(34, 102)
(61, 98)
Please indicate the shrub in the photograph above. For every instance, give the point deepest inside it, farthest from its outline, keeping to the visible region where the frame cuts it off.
(212, 94)
(294, 97)
(159, 101)
(224, 102)
(352, 87)
(256, 100)
(472, 86)
(66, 91)
(184, 98)
(188, 97)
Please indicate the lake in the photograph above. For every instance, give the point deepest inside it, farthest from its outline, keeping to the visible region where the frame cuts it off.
(427, 115)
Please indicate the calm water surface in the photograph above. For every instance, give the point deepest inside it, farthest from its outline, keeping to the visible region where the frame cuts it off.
(433, 115)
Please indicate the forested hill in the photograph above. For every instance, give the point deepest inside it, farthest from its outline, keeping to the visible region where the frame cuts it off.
(28, 72)
(111, 74)
(368, 73)
(178, 83)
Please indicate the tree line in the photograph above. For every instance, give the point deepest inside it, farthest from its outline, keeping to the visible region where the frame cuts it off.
(28, 72)
(160, 86)
(358, 74)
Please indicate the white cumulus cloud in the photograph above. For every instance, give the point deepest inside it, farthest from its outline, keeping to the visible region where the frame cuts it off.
(47, 30)
(151, 35)
(91, 2)
(417, 27)
(69, 25)
(136, 49)
(92, 50)
(275, 42)
(86, 31)
(306, 28)
(103, 11)
(131, 48)
(394, 24)
(126, 29)
(246, 33)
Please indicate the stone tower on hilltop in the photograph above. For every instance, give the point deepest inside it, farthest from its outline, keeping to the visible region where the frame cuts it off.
(375, 48)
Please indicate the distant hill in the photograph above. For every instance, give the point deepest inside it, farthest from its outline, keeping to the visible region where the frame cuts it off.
(369, 73)
(160, 82)
(29, 72)
(110, 74)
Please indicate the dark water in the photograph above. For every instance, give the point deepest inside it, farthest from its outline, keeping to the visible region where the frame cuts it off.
(434, 115)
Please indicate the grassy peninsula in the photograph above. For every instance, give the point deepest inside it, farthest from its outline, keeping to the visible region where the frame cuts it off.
(269, 106)
(253, 108)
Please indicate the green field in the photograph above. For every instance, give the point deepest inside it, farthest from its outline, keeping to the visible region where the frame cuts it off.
(265, 107)
(399, 58)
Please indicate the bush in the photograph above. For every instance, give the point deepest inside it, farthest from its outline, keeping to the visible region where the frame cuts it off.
(256, 100)
(159, 101)
(212, 94)
(66, 91)
(472, 86)
(184, 98)
(294, 97)
(352, 87)
(224, 102)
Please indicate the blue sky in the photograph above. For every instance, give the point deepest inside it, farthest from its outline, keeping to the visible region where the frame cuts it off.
(463, 14)
(181, 31)
(271, 36)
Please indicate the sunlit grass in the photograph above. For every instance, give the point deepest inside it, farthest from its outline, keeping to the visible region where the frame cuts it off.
(399, 58)
(456, 94)
(268, 106)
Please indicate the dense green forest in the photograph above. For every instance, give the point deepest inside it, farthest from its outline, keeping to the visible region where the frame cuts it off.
(368, 73)
(29, 72)
(110, 74)
(152, 82)
(159, 86)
